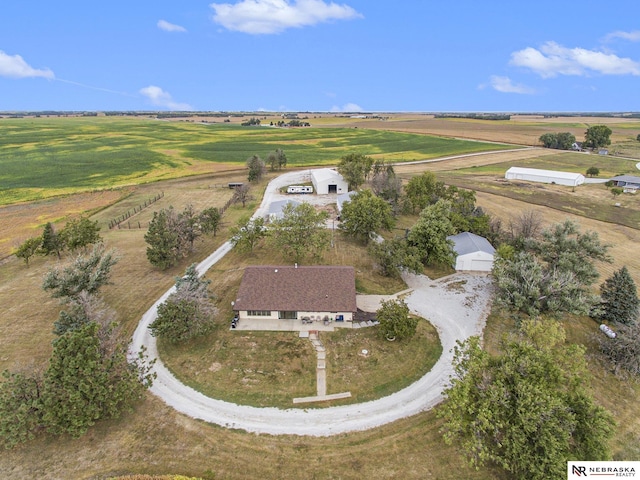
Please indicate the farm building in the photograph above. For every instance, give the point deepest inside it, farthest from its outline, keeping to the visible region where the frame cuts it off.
(473, 253)
(288, 296)
(544, 176)
(629, 183)
(276, 208)
(326, 180)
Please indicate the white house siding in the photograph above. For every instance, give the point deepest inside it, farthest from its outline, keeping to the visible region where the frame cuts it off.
(544, 176)
(244, 315)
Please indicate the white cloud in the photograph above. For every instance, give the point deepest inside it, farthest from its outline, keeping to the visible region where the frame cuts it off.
(630, 36)
(275, 16)
(505, 85)
(349, 107)
(553, 59)
(15, 67)
(160, 98)
(170, 27)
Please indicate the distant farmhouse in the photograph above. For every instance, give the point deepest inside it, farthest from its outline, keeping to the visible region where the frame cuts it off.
(544, 176)
(473, 253)
(629, 183)
(286, 296)
(326, 180)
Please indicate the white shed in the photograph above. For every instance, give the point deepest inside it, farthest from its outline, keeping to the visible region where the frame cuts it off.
(544, 176)
(474, 253)
(326, 180)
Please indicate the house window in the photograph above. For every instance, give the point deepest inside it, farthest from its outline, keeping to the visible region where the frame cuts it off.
(285, 315)
(258, 313)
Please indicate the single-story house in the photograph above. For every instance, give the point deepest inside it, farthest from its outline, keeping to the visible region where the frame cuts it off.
(544, 176)
(297, 293)
(276, 208)
(603, 151)
(629, 183)
(342, 198)
(326, 180)
(473, 252)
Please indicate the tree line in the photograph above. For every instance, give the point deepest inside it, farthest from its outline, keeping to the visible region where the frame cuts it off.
(596, 136)
(77, 234)
(88, 376)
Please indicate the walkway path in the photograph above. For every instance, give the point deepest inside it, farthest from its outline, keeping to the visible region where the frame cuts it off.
(456, 306)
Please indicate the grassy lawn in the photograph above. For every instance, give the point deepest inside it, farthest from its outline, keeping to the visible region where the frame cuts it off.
(387, 367)
(269, 369)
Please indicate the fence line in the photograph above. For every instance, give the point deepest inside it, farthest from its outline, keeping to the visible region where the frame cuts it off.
(117, 221)
(138, 225)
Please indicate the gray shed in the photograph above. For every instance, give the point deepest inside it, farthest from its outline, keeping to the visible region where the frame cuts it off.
(474, 253)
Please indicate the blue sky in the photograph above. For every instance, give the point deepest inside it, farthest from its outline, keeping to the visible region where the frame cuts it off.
(315, 55)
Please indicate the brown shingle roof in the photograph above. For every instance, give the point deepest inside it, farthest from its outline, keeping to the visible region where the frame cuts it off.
(314, 289)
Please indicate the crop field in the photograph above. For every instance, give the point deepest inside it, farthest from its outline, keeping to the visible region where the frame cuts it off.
(154, 438)
(44, 157)
(521, 129)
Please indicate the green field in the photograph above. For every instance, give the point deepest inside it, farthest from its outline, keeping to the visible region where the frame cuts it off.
(45, 157)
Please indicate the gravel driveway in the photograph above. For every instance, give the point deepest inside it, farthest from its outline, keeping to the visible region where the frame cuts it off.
(456, 305)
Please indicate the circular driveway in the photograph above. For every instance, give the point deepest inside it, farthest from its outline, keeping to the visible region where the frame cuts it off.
(457, 306)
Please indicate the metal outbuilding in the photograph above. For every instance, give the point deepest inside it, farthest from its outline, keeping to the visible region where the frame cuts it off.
(326, 180)
(544, 176)
(474, 253)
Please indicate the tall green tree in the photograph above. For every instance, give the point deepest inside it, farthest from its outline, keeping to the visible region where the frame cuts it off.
(394, 256)
(430, 232)
(300, 232)
(21, 410)
(86, 382)
(28, 249)
(527, 410)
(395, 321)
(560, 141)
(364, 215)
(597, 136)
(80, 233)
(210, 220)
(423, 190)
(164, 249)
(246, 235)
(188, 312)
(256, 167)
(355, 168)
(619, 295)
(52, 241)
(86, 273)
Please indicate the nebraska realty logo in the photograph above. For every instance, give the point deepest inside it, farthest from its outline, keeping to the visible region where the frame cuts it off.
(581, 470)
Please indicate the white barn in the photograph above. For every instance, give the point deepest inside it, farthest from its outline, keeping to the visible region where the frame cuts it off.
(544, 176)
(326, 180)
(474, 253)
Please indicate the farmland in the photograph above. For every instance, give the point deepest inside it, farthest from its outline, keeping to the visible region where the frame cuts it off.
(154, 438)
(42, 157)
